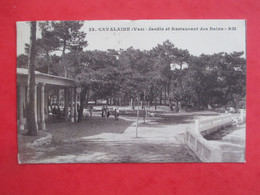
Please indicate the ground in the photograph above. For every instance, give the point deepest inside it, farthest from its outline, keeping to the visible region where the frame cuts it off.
(98, 140)
(232, 143)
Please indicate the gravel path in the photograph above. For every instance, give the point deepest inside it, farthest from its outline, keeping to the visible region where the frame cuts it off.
(98, 140)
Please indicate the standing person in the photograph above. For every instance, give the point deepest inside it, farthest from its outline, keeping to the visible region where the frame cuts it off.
(107, 112)
(116, 113)
(90, 110)
(103, 111)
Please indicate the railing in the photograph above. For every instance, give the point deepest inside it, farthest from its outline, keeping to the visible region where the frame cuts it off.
(204, 150)
(213, 123)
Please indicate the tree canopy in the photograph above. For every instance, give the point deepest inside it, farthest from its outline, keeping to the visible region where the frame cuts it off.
(165, 73)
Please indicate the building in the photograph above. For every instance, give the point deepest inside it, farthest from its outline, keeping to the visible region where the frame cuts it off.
(44, 83)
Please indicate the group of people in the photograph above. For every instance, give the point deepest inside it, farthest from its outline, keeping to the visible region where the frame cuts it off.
(56, 112)
(106, 112)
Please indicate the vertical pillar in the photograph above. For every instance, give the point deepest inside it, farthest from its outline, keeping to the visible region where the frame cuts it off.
(75, 105)
(20, 107)
(46, 102)
(38, 106)
(71, 105)
(58, 98)
(42, 122)
(66, 103)
(35, 104)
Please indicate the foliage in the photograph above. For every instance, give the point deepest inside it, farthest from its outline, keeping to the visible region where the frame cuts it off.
(165, 72)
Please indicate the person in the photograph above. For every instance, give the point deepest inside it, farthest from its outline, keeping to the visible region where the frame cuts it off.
(54, 111)
(231, 110)
(58, 111)
(90, 110)
(116, 114)
(107, 112)
(103, 111)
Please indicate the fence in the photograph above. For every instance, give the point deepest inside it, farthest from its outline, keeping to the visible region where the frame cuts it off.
(204, 150)
(206, 126)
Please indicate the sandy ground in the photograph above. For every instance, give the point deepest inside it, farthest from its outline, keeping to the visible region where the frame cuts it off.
(99, 140)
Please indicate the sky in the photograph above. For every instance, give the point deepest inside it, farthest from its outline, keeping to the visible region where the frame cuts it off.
(197, 36)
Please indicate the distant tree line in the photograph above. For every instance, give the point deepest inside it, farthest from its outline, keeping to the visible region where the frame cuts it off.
(163, 75)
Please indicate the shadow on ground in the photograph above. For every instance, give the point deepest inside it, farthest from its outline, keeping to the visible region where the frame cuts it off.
(64, 130)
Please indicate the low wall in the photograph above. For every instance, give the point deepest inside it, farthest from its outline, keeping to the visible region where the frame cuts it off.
(209, 125)
(203, 149)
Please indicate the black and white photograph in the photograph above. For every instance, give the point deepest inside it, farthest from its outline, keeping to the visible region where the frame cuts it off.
(131, 91)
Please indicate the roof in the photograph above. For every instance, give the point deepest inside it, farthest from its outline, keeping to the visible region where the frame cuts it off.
(22, 75)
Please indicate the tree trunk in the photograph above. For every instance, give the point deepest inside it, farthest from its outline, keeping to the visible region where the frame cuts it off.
(132, 104)
(161, 97)
(31, 123)
(82, 102)
(48, 62)
(155, 103)
(165, 94)
(62, 59)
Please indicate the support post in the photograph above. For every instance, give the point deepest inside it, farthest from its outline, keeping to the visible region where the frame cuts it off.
(71, 105)
(58, 97)
(36, 104)
(66, 103)
(42, 122)
(75, 105)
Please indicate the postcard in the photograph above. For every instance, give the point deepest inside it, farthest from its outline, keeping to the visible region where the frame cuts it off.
(141, 91)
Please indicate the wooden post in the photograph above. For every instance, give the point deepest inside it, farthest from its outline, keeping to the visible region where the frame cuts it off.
(136, 131)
